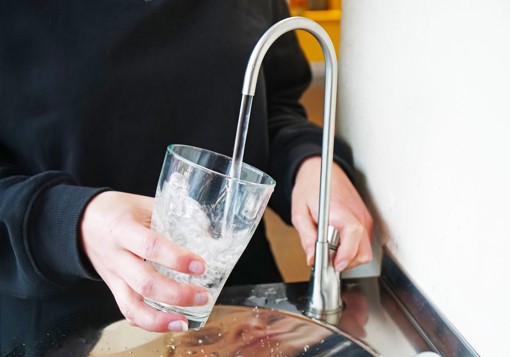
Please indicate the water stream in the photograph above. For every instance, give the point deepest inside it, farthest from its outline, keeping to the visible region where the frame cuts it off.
(242, 130)
(237, 158)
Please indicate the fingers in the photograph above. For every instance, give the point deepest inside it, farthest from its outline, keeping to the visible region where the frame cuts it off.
(140, 280)
(138, 313)
(355, 237)
(150, 245)
(147, 282)
(305, 205)
(348, 214)
(305, 225)
(116, 237)
(355, 247)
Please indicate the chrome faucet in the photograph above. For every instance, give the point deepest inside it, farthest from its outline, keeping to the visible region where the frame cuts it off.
(324, 297)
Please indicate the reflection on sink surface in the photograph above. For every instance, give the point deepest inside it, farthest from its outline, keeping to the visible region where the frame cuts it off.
(388, 314)
(258, 320)
(234, 331)
(250, 320)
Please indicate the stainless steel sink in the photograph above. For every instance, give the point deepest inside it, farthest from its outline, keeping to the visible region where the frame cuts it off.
(234, 331)
(384, 316)
(269, 320)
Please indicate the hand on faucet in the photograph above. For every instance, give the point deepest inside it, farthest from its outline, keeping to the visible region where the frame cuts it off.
(348, 214)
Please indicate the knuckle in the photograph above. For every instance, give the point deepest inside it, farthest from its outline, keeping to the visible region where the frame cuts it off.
(116, 224)
(147, 218)
(127, 311)
(150, 245)
(347, 252)
(151, 325)
(356, 229)
(179, 299)
(365, 258)
(144, 285)
(181, 296)
(297, 220)
(349, 255)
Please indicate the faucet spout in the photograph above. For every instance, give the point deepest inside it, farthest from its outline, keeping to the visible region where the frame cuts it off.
(324, 299)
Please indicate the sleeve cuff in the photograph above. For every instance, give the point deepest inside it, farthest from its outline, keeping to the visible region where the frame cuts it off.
(54, 235)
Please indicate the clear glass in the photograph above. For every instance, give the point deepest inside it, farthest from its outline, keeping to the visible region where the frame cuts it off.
(200, 207)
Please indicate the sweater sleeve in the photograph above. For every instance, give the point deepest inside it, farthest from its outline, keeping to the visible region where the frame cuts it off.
(292, 137)
(39, 231)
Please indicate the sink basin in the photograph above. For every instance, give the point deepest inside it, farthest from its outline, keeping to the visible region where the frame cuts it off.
(263, 316)
(234, 331)
(257, 320)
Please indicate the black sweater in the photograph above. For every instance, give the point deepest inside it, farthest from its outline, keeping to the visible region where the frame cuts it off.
(92, 92)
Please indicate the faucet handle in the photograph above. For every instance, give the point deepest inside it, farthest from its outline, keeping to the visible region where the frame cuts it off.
(333, 244)
(333, 238)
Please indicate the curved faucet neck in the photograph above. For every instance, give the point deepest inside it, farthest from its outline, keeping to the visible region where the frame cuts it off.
(324, 296)
(250, 84)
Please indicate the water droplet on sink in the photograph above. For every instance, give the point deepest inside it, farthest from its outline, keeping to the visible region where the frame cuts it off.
(278, 301)
(256, 300)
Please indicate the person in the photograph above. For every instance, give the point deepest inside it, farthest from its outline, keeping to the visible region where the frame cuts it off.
(91, 93)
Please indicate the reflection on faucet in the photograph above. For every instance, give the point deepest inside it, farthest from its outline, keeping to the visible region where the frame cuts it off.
(324, 299)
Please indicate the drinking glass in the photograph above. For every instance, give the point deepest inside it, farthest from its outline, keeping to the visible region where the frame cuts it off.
(200, 207)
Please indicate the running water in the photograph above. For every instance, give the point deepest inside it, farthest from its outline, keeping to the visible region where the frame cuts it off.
(242, 130)
(237, 156)
(177, 194)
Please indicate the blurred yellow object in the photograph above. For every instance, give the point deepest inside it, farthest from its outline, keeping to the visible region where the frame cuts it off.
(334, 4)
(297, 7)
(330, 21)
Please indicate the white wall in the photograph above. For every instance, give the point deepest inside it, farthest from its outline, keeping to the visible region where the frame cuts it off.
(425, 102)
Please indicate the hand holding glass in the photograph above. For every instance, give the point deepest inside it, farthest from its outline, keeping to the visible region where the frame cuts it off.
(200, 207)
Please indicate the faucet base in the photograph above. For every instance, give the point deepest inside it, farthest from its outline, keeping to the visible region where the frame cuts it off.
(330, 317)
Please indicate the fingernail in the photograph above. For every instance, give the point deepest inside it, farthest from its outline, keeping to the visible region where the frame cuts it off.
(364, 259)
(202, 298)
(196, 267)
(178, 326)
(309, 255)
(341, 266)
